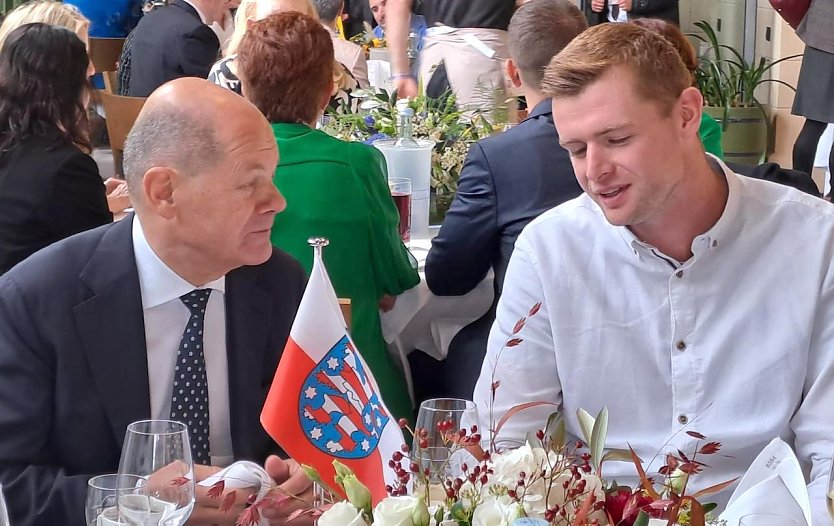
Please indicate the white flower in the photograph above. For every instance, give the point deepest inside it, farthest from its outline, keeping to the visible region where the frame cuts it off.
(342, 514)
(400, 511)
(496, 511)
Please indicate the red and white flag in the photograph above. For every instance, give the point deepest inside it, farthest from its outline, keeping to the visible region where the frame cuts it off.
(324, 403)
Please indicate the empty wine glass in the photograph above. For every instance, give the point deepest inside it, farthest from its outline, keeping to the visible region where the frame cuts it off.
(4, 512)
(159, 450)
(437, 442)
(105, 493)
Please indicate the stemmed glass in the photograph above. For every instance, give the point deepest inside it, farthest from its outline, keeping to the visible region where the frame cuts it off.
(159, 450)
(107, 493)
(439, 424)
(4, 512)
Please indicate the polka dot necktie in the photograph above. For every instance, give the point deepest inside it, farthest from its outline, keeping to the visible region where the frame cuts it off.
(190, 396)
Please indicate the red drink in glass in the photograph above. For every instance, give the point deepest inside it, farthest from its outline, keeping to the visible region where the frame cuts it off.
(403, 204)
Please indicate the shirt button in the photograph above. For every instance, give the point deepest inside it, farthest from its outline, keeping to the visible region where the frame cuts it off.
(681, 345)
(679, 273)
(683, 419)
(714, 243)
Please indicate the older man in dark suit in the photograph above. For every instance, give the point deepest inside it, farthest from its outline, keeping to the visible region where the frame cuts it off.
(507, 181)
(93, 328)
(170, 42)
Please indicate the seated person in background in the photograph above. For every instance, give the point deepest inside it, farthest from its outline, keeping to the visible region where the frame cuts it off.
(335, 189)
(92, 327)
(669, 291)
(709, 131)
(50, 187)
(170, 42)
(417, 24)
(507, 181)
(351, 55)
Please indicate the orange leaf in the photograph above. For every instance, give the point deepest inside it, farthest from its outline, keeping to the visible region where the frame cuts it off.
(180, 481)
(250, 517)
(217, 489)
(514, 342)
(713, 489)
(228, 501)
(535, 309)
(582, 514)
(644, 480)
(519, 325)
(695, 434)
(709, 448)
(515, 409)
(696, 513)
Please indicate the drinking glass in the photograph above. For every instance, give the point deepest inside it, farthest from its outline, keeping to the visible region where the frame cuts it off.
(4, 512)
(159, 450)
(767, 519)
(439, 422)
(106, 493)
(401, 194)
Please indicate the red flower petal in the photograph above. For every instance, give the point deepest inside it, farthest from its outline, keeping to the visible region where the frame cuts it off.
(217, 489)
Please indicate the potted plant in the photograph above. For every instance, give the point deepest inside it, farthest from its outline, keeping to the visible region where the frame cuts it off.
(728, 85)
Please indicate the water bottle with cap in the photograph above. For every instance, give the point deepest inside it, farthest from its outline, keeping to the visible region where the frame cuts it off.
(405, 124)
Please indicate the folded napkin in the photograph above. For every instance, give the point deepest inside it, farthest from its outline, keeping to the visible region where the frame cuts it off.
(773, 484)
(243, 475)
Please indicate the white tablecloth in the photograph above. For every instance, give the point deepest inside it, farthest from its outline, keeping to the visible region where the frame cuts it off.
(420, 320)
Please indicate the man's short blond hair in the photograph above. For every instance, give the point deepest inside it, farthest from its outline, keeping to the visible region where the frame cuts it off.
(659, 72)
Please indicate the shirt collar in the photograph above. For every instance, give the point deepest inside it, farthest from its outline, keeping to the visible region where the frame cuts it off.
(199, 13)
(157, 282)
(722, 231)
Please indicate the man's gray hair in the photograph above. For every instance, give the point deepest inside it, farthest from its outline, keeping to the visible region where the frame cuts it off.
(166, 136)
(328, 9)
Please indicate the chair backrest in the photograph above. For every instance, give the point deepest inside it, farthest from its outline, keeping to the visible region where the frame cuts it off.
(344, 305)
(120, 113)
(104, 54)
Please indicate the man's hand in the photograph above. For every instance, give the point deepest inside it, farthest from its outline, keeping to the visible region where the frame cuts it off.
(207, 510)
(117, 196)
(597, 5)
(626, 5)
(406, 86)
(292, 483)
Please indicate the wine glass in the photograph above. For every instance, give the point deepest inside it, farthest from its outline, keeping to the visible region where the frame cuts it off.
(767, 519)
(436, 443)
(159, 450)
(4, 512)
(105, 494)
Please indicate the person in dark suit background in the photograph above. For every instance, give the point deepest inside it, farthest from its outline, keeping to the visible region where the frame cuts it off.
(50, 187)
(92, 327)
(599, 11)
(170, 42)
(508, 180)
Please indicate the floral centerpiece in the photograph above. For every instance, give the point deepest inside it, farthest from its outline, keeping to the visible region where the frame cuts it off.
(437, 119)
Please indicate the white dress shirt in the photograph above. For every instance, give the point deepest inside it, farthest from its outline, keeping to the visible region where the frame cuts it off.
(165, 318)
(735, 343)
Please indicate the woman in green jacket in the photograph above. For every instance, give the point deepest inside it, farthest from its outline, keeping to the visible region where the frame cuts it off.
(335, 189)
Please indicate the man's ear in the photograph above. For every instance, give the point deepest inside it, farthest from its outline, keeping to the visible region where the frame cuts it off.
(158, 187)
(691, 107)
(512, 72)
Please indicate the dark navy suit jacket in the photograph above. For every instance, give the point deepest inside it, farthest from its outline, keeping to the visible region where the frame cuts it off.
(169, 43)
(507, 181)
(74, 370)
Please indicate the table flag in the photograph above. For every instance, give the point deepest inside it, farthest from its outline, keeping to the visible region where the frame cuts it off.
(324, 403)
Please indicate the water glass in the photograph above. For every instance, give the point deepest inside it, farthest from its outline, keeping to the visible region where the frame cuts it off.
(401, 194)
(105, 494)
(160, 451)
(436, 447)
(4, 512)
(767, 519)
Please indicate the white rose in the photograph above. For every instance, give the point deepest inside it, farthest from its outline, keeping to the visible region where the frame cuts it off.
(342, 514)
(500, 511)
(507, 466)
(395, 511)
